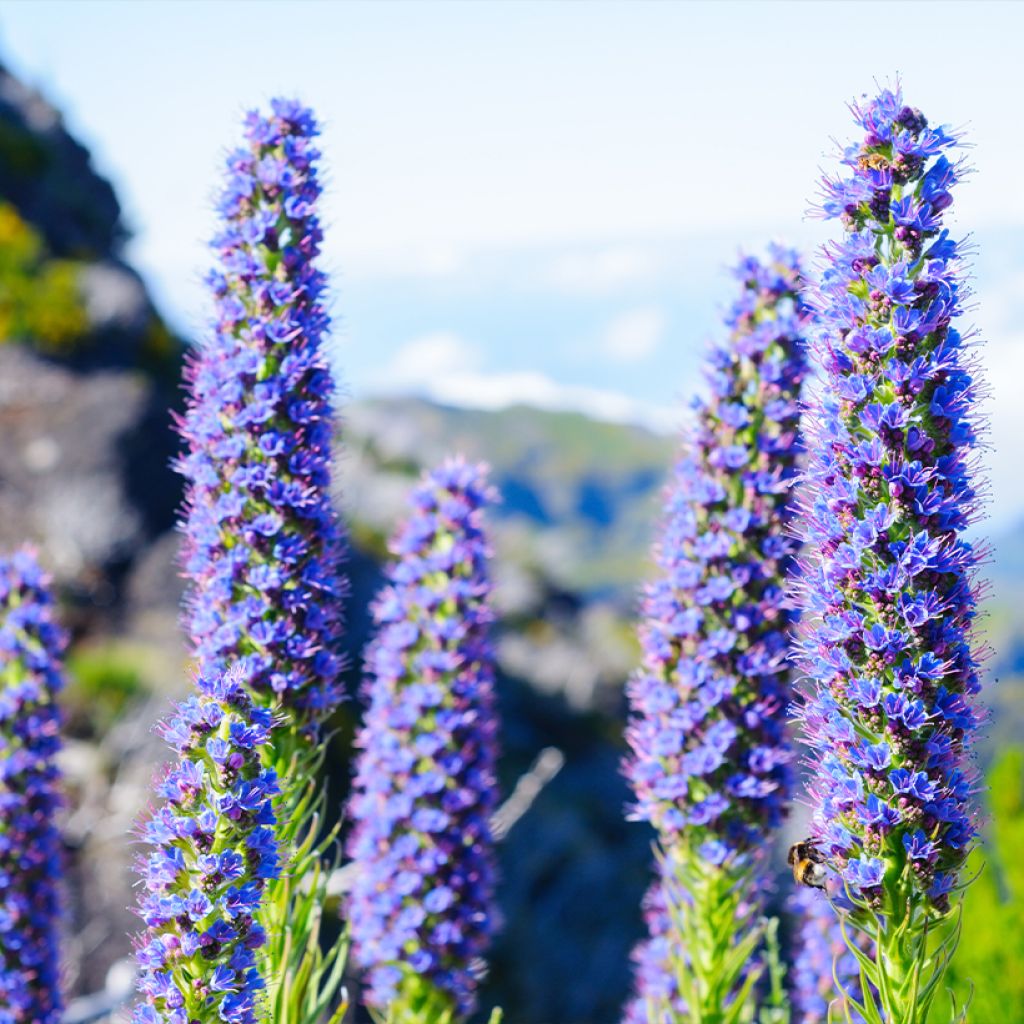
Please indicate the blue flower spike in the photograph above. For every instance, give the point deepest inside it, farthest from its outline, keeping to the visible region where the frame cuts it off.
(889, 581)
(422, 907)
(31, 678)
(709, 762)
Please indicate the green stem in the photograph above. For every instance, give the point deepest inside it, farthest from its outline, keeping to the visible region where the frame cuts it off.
(913, 947)
(717, 933)
(304, 983)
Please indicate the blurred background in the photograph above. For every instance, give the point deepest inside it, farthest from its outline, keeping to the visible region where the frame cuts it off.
(529, 214)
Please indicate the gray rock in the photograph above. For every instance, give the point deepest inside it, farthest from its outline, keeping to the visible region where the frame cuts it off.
(70, 480)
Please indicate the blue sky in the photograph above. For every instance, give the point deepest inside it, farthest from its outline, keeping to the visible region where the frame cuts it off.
(536, 200)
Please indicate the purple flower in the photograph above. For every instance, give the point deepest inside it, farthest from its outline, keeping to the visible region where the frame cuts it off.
(263, 546)
(710, 702)
(422, 903)
(709, 761)
(31, 647)
(890, 495)
(212, 849)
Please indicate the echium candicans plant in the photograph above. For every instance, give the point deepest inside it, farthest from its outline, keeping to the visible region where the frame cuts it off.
(421, 906)
(710, 763)
(889, 580)
(263, 546)
(31, 646)
(212, 851)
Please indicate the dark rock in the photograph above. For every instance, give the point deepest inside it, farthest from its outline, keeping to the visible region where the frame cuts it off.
(48, 176)
(83, 469)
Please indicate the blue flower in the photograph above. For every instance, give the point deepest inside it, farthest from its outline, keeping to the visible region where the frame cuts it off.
(31, 647)
(212, 851)
(890, 494)
(422, 903)
(263, 546)
(709, 760)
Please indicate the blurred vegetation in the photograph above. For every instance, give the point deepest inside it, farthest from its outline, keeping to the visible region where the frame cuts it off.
(39, 297)
(102, 680)
(990, 958)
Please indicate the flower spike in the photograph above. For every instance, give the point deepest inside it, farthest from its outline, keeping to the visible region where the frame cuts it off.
(889, 578)
(709, 759)
(31, 647)
(422, 905)
(263, 545)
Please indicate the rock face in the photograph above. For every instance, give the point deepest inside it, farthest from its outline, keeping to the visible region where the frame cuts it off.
(74, 467)
(84, 463)
(48, 176)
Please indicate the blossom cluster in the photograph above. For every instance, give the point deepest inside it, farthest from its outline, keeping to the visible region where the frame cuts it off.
(212, 851)
(422, 902)
(889, 580)
(263, 545)
(709, 757)
(31, 645)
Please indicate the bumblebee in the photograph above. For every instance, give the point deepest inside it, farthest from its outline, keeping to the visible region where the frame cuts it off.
(808, 864)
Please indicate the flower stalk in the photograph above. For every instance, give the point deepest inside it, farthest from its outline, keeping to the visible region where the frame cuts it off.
(889, 642)
(31, 678)
(710, 761)
(422, 907)
(263, 546)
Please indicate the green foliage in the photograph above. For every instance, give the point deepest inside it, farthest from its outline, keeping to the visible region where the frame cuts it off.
(39, 299)
(304, 981)
(102, 680)
(716, 963)
(986, 971)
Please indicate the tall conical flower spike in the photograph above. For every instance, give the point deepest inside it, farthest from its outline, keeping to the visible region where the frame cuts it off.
(212, 851)
(710, 763)
(422, 904)
(889, 579)
(263, 545)
(31, 646)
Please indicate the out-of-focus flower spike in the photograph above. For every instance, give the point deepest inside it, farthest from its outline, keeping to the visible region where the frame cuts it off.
(31, 647)
(823, 971)
(422, 908)
(709, 759)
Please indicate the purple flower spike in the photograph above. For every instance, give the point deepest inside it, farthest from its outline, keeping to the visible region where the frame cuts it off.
(31, 646)
(889, 645)
(263, 546)
(890, 577)
(212, 851)
(422, 904)
(710, 764)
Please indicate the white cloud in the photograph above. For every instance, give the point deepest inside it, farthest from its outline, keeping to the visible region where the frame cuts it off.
(427, 358)
(634, 335)
(446, 368)
(601, 268)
